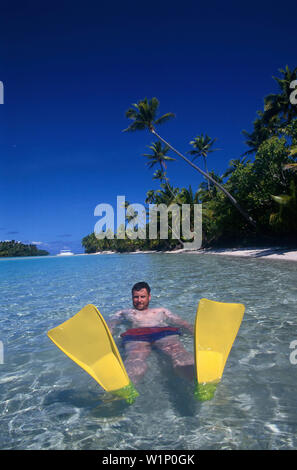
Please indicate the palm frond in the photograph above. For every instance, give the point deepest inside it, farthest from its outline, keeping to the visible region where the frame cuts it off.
(131, 113)
(135, 126)
(293, 151)
(166, 117)
(154, 104)
(290, 166)
(283, 199)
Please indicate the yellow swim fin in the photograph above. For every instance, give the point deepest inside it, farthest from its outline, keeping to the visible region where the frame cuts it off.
(216, 327)
(86, 339)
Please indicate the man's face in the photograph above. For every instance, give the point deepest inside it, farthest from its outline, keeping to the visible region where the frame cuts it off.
(141, 299)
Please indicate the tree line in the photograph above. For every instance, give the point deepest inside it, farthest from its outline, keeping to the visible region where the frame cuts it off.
(13, 248)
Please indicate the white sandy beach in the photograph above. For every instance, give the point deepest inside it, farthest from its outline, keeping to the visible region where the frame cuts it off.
(277, 253)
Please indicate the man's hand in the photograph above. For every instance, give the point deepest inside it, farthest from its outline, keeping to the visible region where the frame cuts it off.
(179, 321)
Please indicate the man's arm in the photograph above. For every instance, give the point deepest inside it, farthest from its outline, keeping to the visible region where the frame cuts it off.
(178, 321)
(115, 320)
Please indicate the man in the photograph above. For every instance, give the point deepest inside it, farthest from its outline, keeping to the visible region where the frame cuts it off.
(150, 329)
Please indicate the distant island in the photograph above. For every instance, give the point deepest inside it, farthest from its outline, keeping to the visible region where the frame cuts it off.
(13, 248)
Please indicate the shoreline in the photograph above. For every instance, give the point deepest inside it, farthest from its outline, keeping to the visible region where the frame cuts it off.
(275, 253)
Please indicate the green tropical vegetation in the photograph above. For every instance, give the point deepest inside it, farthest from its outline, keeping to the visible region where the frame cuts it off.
(253, 201)
(14, 248)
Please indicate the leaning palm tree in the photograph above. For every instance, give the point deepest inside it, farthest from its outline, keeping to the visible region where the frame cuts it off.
(202, 147)
(144, 116)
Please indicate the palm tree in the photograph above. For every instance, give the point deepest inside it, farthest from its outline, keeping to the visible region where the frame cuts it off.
(187, 196)
(150, 196)
(280, 104)
(160, 175)
(278, 112)
(263, 130)
(202, 147)
(159, 157)
(166, 195)
(144, 116)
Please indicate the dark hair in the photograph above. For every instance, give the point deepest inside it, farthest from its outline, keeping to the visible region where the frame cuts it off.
(141, 285)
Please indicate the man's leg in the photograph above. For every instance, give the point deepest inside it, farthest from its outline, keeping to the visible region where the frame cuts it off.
(183, 361)
(137, 353)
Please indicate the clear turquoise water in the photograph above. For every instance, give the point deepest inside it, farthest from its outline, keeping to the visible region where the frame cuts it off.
(47, 402)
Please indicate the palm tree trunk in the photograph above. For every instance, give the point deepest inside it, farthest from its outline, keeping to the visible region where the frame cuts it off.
(206, 169)
(218, 185)
(166, 182)
(173, 196)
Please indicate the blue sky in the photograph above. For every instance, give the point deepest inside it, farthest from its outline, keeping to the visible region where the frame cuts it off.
(70, 71)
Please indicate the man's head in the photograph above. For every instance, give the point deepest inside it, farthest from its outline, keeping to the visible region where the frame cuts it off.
(141, 295)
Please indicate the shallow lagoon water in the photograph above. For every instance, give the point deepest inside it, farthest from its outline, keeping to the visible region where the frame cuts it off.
(47, 402)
